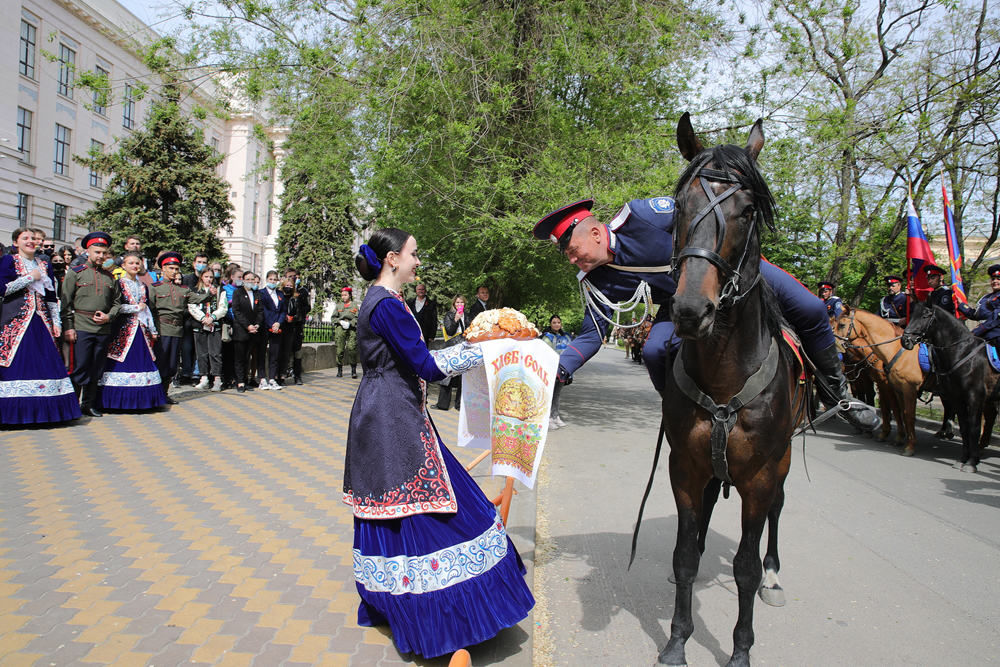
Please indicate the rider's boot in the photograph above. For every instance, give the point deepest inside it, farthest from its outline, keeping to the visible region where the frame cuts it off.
(859, 415)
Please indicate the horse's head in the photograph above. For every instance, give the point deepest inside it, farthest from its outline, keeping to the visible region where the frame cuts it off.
(845, 329)
(921, 319)
(721, 201)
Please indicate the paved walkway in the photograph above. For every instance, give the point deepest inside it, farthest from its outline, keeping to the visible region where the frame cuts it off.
(209, 533)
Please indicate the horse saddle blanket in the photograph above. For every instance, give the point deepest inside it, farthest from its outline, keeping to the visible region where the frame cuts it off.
(928, 358)
(991, 352)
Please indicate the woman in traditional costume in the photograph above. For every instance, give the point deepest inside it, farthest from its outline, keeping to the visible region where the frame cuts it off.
(131, 380)
(34, 387)
(431, 555)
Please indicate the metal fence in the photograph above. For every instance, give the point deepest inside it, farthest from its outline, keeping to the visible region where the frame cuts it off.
(318, 332)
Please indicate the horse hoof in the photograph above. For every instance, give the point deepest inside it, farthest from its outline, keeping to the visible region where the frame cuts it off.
(907, 452)
(968, 467)
(880, 438)
(672, 655)
(772, 596)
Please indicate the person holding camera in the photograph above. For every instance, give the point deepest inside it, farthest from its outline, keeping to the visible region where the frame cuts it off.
(455, 323)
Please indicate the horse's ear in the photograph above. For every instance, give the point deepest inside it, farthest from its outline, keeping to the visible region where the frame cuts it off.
(847, 309)
(689, 144)
(755, 142)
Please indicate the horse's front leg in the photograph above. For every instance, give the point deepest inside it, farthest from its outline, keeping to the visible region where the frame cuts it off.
(908, 400)
(770, 588)
(758, 498)
(689, 489)
(990, 418)
(970, 438)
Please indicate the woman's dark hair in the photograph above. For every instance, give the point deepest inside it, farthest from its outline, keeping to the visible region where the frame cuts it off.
(382, 242)
(132, 253)
(20, 230)
(67, 249)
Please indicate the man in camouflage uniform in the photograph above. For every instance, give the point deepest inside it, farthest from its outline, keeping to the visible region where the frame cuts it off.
(169, 304)
(346, 337)
(91, 299)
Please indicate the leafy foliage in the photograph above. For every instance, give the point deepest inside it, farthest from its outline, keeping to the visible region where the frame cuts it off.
(161, 185)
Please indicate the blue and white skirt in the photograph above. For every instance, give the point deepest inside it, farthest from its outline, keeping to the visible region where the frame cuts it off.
(132, 383)
(35, 389)
(441, 581)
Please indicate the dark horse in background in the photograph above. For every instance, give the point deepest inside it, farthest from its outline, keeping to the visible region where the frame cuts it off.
(966, 379)
(733, 374)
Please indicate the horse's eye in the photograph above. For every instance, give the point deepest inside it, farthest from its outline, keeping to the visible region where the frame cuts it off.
(747, 212)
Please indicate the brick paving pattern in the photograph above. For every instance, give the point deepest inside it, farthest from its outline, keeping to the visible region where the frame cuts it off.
(212, 533)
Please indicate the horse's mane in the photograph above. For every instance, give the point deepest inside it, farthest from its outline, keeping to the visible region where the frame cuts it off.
(736, 163)
(868, 318)
(771, 317)
(945, 319)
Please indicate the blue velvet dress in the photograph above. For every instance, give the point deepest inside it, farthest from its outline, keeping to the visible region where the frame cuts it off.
(130, 380)
(442, 578)
(34, 387)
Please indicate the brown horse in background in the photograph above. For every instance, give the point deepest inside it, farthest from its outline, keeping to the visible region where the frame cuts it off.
(878, 341)
(866, 374)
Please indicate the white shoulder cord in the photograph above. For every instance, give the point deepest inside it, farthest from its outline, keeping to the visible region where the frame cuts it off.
(593, 299)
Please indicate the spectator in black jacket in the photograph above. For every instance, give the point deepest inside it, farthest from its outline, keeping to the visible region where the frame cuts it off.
(425, 310)
(455, 323)
(298, 310)
(190, 280)
(275, 305)
(481, 302)
(248, 318)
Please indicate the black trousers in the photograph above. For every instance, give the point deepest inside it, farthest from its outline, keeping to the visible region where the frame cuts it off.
(90, 353)
(187, 353)
(167, 350)
(269, 355)
(444, 393)
(241, 357)
(228, 363)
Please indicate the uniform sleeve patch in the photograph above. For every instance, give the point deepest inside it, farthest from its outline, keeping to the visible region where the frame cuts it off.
(662, 204)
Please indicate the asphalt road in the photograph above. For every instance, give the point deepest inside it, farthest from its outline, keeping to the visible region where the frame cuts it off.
(885, 560)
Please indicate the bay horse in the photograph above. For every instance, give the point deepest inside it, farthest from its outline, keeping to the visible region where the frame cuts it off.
(968, 380)
(732, 356)
(878, 341)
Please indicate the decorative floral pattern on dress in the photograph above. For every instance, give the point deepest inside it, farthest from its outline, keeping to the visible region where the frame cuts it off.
(133, 293)
(458, 359)
(145, 379)
(30, 303)
(35, 388)
(435, 571)
(429, 491)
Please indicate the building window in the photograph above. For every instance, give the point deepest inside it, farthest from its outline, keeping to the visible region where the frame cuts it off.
(59, 222)
(101, 96)
(24, 133)
(27, 61)
(253, 220)
(128, 115)
(96, 179)
(22, 208)
(62, 150)
(67, 62)
(269, 207)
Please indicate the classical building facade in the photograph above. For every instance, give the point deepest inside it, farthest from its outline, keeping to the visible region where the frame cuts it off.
(46, 119)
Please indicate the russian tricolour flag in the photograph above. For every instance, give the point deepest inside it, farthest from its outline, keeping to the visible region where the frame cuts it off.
(918, 254)
(954, 255)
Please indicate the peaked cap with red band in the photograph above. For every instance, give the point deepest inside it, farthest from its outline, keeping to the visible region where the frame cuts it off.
(347, 289)
(893, 279)
(560, 223)
(170, 258)
(933, 269)
(96, 238)
(823, 284)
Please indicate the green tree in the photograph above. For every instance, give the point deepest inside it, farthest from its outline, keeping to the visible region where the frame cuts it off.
(161, 186)
(318, 222)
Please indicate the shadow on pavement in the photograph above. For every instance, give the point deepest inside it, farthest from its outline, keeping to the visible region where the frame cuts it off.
(644, 591)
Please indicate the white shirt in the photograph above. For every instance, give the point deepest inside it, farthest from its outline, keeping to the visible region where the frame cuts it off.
(274, 295)
(419, 303)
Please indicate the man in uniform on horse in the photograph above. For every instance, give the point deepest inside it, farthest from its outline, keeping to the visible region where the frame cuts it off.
(628, 262)
(893, 305)
(834, 304)
(987, 311)
(940, 294)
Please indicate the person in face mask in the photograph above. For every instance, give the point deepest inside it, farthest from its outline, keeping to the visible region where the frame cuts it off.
(58, 268)
(190, 280)
(275, 307)
(233, 281)
(298, 310)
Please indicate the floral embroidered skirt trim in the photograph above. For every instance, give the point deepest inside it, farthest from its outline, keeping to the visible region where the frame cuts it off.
(441, 581)
(35, 389)
(132, 383)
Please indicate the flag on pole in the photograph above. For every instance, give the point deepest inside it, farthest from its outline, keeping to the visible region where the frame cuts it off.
(954, 255)
(918, 254)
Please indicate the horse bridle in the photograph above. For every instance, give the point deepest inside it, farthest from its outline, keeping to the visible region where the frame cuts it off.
(730, 294)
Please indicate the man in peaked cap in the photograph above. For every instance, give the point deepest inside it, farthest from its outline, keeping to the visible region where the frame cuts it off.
(893, 305)
(629, 258)
(91, 299)
(940, 294)
(834, 304)
(169, 305)
(987, 311)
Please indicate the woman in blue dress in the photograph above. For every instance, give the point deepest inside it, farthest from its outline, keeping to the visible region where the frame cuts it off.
(431, 555)
(556, 338)
(130, 380)
(34, 387)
